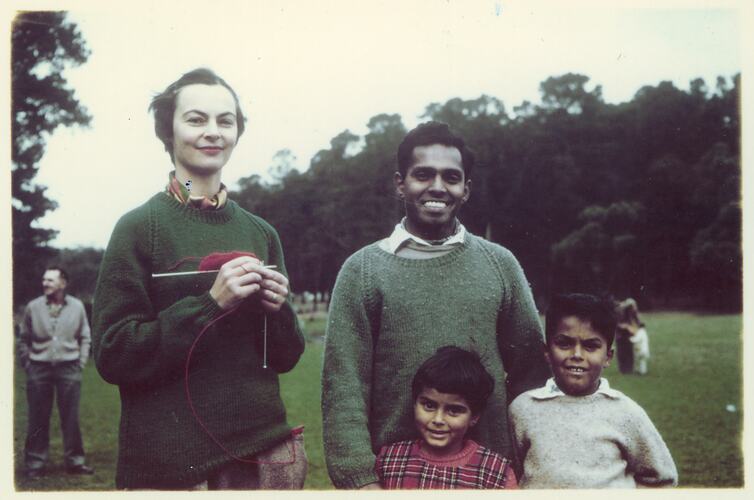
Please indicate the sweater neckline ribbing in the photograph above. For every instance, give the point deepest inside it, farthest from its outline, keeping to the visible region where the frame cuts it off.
(448, 258)
(219, 216)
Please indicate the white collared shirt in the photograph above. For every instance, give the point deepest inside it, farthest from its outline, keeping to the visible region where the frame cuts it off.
(551, 390)
(400, 236)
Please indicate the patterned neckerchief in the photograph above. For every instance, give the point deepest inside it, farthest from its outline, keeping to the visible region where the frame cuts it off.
(183, 195)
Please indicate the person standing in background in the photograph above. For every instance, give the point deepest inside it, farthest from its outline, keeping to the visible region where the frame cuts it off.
(53, 347)
(633, 339)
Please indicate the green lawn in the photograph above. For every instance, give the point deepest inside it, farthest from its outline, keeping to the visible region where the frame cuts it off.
(695, 373)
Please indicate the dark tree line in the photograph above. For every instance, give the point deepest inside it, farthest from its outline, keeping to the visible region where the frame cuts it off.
(640, 198)
(43, 45)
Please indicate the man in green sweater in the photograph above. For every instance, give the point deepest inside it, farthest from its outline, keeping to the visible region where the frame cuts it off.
(429, 284)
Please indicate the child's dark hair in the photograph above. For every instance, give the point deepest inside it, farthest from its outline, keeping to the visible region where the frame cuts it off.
(598, 310)
(453, 370)
(430, 133)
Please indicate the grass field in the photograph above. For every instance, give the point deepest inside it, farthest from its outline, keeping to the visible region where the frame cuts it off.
(694, 375)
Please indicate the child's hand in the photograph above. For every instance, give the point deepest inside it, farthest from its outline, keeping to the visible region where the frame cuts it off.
(629, 327)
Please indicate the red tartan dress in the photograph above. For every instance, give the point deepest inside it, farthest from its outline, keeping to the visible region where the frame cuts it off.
(403, 465)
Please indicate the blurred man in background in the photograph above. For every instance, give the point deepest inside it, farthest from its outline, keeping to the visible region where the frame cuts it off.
(53, 346)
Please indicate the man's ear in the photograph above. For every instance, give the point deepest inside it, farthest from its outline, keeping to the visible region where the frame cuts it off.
(609, 357)
(399, 185)
(474, 420)
(466, 191)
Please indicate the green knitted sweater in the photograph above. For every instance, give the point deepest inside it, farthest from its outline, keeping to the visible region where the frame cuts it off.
(143, 328)
(388, 314)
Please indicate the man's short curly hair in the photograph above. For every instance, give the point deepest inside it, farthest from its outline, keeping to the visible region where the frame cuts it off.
(430, 133)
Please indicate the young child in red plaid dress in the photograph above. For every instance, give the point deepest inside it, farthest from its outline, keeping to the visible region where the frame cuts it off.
(450, 390)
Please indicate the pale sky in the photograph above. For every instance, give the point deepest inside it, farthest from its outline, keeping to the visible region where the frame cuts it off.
(305, 71)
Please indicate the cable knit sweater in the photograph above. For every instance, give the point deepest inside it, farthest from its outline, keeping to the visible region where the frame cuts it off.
(389, 314)
(144, 327)
(604, 440)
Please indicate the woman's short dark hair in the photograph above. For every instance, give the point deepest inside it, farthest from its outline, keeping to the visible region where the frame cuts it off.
(453, 370)
(163, 104)
(430, 133)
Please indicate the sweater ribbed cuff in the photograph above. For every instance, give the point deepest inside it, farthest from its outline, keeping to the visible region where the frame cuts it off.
(360, 480)
(209, 306)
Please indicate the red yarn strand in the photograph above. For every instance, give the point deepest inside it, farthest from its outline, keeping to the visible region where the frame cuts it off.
(198, 418)
(213, 262)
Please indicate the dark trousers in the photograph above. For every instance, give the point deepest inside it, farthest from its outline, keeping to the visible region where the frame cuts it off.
(625, 354)
(43, 381)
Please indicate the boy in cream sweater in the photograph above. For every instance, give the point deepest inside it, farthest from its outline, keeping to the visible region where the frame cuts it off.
(577, 432)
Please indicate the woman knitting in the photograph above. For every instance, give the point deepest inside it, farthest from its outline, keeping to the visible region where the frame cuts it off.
(196, 353)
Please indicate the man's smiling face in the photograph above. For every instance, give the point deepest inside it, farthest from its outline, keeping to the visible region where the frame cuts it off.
(433, 189)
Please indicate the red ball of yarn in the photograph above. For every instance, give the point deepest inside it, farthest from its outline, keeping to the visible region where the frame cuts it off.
(215, 260)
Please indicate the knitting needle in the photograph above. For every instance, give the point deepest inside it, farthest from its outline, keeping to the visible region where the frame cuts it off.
(264, 358)
(185, 273)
